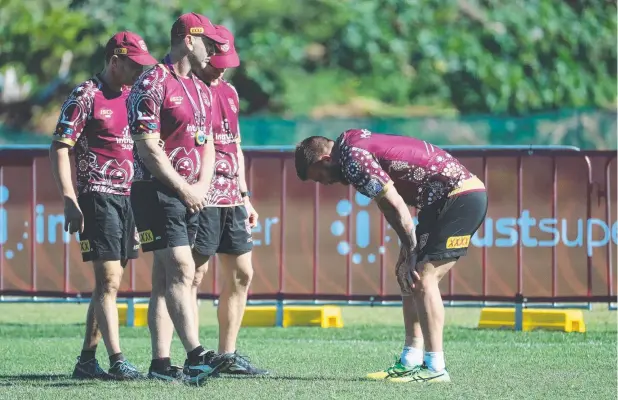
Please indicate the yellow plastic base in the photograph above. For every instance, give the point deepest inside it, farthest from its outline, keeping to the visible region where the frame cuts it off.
(321, 316)
(141, 314)
(559, 320)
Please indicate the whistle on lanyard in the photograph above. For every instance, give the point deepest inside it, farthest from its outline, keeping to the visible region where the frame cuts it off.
(200, 137)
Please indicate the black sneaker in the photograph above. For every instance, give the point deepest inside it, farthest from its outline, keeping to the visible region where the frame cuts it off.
(90, 370)
(242, 366)
(174, 374)
(210, 363)
(124, 371)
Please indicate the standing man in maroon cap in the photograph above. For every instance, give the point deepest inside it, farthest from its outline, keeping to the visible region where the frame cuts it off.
(93, 121)
(225, 224)
(171, 123)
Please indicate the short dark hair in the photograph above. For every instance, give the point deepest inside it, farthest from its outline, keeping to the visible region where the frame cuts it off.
(176, 39)
(308, 152)
(108, 57)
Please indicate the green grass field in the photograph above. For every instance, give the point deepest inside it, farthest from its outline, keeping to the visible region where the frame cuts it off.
(39, 344)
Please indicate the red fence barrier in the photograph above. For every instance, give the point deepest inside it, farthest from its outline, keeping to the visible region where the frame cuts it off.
(550, 233)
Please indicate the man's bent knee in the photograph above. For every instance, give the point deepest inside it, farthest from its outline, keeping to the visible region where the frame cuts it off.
(107, 277)
(178, 265)
(181, 276)
(199, 274)
(201, 267)
(426, 283)
(244, 277)
(201, 261)
(240, 267)
(431, 272)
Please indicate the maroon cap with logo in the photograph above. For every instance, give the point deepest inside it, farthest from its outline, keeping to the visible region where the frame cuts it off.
(226, 56)
(132, 46)
(196, 24)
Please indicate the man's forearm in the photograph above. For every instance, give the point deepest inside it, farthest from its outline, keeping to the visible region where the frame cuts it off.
(155, 159)
(242, 181)
(208, 165)
(61, 170)
(399, 217)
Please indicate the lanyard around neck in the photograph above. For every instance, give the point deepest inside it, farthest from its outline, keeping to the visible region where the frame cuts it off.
(199, 114)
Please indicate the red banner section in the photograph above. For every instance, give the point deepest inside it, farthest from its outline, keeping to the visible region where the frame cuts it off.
(550, 233)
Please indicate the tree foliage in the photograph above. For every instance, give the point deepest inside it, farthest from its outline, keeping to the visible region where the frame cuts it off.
(379, 57)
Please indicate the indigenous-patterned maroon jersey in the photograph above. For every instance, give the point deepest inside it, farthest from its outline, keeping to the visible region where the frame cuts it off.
(159, 108)
(93, 121)
(421, 172)
(224, 190)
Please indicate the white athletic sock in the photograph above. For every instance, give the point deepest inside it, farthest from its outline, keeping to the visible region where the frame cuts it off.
(411, 357)
(435, 361)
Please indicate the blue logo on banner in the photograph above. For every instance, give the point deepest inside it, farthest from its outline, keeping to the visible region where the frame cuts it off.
(500, 232)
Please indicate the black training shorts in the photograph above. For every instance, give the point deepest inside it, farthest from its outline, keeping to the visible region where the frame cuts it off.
(445, 227)
(162, 219)
(223, 230)
(109, 228)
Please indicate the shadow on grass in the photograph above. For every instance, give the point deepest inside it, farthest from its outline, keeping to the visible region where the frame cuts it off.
(41, 380)
(297, 378)
(36, 377)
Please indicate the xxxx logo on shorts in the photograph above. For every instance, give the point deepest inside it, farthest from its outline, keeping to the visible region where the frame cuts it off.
(146, 237)
(458, 242)
(84, 246)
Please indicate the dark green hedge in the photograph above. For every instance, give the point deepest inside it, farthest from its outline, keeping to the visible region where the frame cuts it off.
(353, 57)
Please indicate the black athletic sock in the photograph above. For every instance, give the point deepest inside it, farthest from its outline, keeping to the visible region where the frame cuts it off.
(115, 358)
(161, 364)
(194, 355)
(87, 355)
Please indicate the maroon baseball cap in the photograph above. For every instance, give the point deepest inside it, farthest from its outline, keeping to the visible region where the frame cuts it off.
(131, 45)
(226, 56)
(196, 24)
